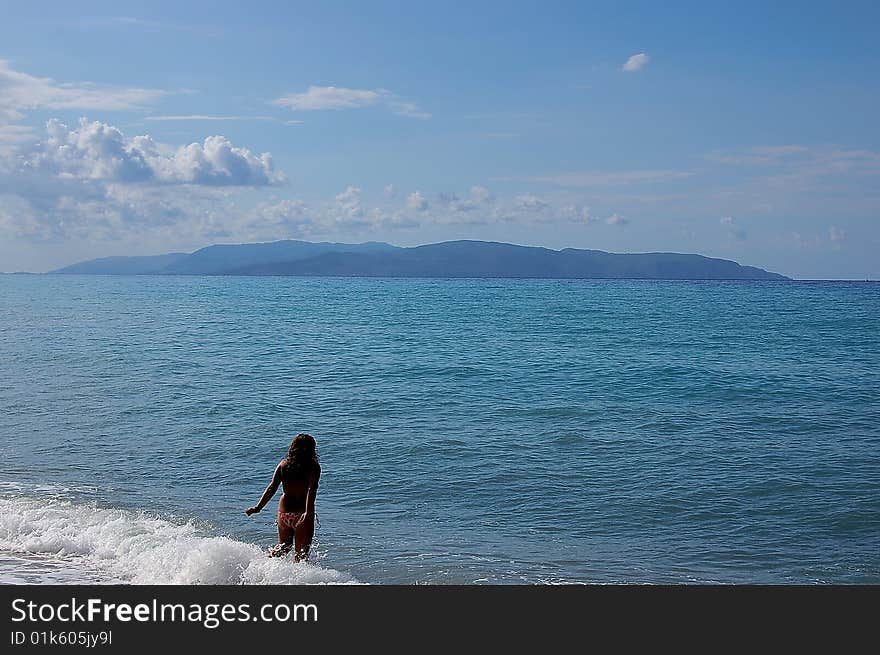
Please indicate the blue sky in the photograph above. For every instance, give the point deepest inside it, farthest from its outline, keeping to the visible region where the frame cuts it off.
(739, 130)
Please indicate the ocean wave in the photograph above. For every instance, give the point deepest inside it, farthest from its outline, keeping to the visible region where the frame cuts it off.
(135, 548)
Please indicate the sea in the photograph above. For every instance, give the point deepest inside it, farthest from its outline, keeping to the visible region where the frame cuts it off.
(471, 431)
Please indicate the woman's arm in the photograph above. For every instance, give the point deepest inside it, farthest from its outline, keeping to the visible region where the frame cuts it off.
(270, 491)
(310, 497)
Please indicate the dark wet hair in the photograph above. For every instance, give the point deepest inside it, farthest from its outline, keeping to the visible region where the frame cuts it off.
(302, 457)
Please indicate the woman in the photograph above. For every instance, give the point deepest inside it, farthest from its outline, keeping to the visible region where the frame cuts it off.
(299, 475)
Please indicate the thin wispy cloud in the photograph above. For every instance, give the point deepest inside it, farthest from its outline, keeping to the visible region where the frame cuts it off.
(322, 98)
(800, 169)
(610, 178)
(13, 134)
(155, 25)
(636, 63)
(318, 98)
(760, 155)
(205, 117)
(20, 92)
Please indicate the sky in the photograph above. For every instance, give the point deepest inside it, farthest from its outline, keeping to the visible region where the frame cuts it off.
(747, 131)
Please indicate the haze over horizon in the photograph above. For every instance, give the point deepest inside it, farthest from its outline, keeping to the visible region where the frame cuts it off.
(745, 133)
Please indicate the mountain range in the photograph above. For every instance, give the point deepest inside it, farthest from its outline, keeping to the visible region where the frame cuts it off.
(450, 259)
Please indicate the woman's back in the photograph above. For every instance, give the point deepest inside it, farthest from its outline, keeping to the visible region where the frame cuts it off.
(295, 481)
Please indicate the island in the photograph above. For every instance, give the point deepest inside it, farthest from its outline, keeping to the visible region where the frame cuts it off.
(449, 259)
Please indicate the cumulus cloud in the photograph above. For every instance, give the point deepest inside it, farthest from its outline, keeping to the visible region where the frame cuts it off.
(282, 218)
(348, 203)
(96, 185)
(636, 63)
(93, 183)
(578, 214)
(317, 98)
(478, 199)
(616, 219)
(531, 203)
(416, 201)
(40, 209)
(349, 213)
(217, 162)
(99, 151)
(481, 194)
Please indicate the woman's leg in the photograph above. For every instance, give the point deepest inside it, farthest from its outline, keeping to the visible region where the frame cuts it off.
(303, 539)
(285, 540)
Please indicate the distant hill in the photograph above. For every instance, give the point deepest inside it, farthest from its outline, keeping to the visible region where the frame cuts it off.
(124, 265)
(455, 259)
(223, 259)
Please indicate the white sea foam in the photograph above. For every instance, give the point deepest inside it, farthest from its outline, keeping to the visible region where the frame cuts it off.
(129, 547)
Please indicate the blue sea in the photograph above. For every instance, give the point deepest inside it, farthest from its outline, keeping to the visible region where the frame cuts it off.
(470, 431)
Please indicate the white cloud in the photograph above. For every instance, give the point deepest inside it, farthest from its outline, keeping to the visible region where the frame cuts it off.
(416, 201)
(804, 161)
(11, 135)
(317, 98)
(616, 219)
(15, 133)
(530, 202)
(20, 92)
(348, 203)
(95, 185)
(153, 25)
(99, 151)
(389, 192)
(329, 97)
(217, 162)
(836, 234)
(577, 214)
(408, 109)
(760, 155)
(611, 178)
(636, 63)
(205, 117)
(40, 209)
(345, 214)
(481, 194)
(478, 199)
(283, 218)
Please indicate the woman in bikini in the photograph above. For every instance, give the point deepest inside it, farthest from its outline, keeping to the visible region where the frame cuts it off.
(298, 475)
